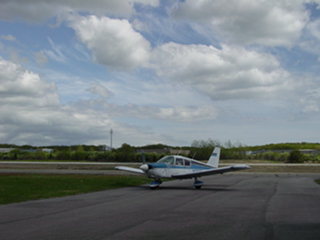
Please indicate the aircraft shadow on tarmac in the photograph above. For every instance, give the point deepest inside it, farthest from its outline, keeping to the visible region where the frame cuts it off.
(214, 188)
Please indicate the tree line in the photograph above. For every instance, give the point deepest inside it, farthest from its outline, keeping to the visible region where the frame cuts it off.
(199, 149)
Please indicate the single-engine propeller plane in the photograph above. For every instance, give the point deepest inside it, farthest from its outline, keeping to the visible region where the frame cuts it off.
(180, 167)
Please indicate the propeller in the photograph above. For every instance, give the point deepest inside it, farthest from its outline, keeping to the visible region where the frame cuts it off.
(145, 166)
(143, 157)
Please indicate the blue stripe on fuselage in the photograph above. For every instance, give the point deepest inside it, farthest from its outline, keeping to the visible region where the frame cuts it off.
(199, 167)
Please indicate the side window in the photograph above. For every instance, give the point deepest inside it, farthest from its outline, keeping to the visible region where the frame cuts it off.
(187, 162)
(179, 161)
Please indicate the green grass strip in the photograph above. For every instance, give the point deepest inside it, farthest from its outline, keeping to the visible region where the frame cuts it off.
(23, 187)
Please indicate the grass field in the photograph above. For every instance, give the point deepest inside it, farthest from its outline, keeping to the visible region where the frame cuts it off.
(23, 187)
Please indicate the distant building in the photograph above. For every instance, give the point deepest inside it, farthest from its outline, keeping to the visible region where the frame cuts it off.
(159, 151)
(264, 151)
(29, 150)
(6, 150)
(310, 151)
(305, 151)
(179, 152)
(165, 151)
(47, 150)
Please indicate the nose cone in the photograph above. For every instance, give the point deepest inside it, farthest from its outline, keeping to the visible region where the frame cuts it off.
(144, 167)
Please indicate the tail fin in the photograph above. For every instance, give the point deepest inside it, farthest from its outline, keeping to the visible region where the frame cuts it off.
(214, 158)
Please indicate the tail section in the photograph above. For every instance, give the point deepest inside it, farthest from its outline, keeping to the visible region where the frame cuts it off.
(214, 158)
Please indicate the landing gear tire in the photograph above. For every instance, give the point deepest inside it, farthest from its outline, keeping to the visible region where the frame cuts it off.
(155, 184)
(197, 184)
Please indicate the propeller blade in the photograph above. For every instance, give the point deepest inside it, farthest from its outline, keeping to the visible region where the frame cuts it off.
(143, 158)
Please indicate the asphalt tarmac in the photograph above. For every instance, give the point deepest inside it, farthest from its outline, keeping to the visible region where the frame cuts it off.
(234, 206)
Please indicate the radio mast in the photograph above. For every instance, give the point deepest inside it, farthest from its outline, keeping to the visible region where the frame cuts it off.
(111, 132)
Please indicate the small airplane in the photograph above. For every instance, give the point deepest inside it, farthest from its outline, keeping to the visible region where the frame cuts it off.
(180, 167)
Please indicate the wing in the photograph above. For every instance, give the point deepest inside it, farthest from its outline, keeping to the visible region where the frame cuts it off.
(130, 169)
(212, 171)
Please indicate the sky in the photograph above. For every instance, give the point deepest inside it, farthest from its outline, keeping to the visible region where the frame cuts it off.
(171, 72)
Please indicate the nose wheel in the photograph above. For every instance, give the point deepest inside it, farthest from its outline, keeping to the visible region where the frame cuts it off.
(155, 184)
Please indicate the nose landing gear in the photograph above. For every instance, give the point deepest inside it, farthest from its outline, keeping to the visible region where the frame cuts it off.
(155, 184)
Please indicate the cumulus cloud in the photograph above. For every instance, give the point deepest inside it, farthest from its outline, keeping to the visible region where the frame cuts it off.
(19, 86)
(271, 23)
(35, 10)
(32, 114)
(226, 73)
(113, 42)
(173, 112)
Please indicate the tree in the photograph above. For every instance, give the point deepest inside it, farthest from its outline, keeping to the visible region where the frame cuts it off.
(201, 149)
(295, 157)
(126, 148)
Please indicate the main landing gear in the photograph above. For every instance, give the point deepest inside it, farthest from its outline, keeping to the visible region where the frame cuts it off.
(197, 183)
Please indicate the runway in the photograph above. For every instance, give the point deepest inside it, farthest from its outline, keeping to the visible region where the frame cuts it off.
(234, 206)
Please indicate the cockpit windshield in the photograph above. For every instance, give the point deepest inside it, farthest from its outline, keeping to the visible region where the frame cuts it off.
(167, 160)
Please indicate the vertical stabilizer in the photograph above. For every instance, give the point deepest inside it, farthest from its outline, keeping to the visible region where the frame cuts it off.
(214, 158)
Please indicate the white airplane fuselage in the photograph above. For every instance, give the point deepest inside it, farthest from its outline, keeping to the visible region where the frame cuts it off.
(180, 167)
(168, 170)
